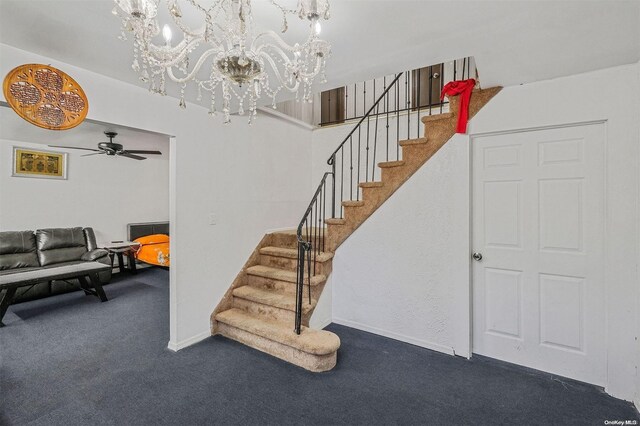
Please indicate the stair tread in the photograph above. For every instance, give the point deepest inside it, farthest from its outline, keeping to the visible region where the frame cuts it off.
(292, 253)
(282, 274)
(417, 141)
(272, 298)
(434, 117)
(387, 164)
(353, 203)
(316, 342)
(370, 184)
(335, 221)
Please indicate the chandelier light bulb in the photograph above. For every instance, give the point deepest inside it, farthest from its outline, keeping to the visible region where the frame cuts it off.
(318, 27)
(166, 33)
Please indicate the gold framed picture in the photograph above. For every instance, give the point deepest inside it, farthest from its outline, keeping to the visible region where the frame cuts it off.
(39, 164)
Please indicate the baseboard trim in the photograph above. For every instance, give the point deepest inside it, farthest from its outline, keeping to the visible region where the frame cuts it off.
(175, 347)
(406, 339)
(321, 323)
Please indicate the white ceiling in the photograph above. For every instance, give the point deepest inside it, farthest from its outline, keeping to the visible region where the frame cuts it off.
(513, 42)
(86, 135)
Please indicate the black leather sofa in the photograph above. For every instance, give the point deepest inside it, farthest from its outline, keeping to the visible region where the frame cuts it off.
(45, 250)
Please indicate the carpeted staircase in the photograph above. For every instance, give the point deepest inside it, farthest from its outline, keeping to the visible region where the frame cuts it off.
(259, 308)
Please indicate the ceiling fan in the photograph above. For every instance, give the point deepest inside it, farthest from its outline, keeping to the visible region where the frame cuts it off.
(112, 148)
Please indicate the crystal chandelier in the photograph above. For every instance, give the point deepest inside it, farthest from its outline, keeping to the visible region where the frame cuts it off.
(224, 57)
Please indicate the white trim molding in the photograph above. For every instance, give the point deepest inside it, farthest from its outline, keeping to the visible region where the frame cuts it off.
(395, 336)
(175, 347)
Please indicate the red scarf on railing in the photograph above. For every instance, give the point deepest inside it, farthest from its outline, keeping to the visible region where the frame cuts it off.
(454, 88)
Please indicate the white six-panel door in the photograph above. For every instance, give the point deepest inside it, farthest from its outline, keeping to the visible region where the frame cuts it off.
(538, 222)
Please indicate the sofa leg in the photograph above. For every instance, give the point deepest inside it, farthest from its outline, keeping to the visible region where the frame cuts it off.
(95, 282)
(5, 301)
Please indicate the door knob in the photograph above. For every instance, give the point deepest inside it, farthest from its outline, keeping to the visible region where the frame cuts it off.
(477, 256)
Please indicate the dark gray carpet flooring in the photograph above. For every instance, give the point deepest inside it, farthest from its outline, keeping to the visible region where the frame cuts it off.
(70, 360)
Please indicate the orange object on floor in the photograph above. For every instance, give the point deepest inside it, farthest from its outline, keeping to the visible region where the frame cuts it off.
(154, 250)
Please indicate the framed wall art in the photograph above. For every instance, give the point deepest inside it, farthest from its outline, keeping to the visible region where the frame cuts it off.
(45, 96)
(39, 164)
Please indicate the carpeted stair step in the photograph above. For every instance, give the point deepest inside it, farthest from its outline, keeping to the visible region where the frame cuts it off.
(314, 350)
(392, 170)
(353, 203)
(370, 184)
(436, 117)
(272, 305)
(390, 164)
(417, 141)
(287, 258)
(289, 238)
(282, 280)
(335, 221)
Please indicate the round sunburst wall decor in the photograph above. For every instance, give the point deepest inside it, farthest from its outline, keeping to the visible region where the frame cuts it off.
(45, 96)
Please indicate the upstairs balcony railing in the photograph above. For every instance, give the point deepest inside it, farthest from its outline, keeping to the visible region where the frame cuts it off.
(419, 90)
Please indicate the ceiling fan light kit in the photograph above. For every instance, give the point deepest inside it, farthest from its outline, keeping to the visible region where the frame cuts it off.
(225, 56)
(113, 149)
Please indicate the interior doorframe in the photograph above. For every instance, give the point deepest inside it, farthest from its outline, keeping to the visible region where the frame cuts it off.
(471, 137)
(173, 280)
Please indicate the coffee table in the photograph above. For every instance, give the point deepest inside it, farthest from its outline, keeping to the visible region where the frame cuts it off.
(119, 249)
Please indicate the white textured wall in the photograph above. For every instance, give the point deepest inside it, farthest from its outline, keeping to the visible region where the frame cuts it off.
(405, 272)
(251, 178)
(104, 193)
(398, 274)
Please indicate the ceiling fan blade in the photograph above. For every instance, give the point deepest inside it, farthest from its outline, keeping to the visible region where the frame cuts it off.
(142, 151)
(73, 147)
(93, 153)
(135, 157)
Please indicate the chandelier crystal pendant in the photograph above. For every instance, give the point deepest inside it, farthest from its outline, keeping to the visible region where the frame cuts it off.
(230, 59)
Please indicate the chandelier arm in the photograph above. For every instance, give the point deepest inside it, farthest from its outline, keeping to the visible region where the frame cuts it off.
(276, 71)
(210, 16)
(315, 71)
(283, 9)
(272, 34)
(277, 50)
(177, 53)
(194, 71)
(180, 24)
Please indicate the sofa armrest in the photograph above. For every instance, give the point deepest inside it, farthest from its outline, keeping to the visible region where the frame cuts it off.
(97, 255)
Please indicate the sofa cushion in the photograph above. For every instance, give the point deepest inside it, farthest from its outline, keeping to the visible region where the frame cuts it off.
(57, 245)
(17, 250)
